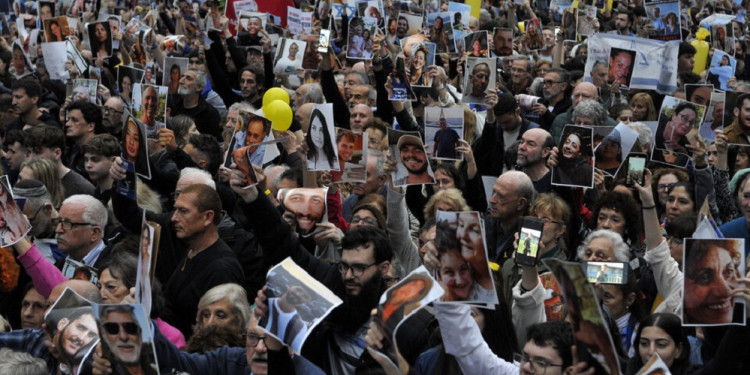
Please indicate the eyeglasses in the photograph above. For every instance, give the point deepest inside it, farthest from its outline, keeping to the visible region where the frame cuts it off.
(31, 219)
(665, 186)
(550, 83)
(106, 110)
(252, 340)
(67, 224)
(114, 328)
(357, 269)
(536, 364)
(547, 220)
(369, 220)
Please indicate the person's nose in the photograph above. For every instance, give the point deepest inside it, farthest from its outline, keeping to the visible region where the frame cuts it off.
(122, 335)
(211, 320)
(27, 311)
(261, 347)
(605, 224)
(722, 287)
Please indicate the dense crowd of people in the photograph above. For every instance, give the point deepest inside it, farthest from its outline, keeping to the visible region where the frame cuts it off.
(517, 74)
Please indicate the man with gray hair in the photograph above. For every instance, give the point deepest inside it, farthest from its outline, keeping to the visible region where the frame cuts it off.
(79, 230)
(35, 202)
(512, 195)
(582, 91)
(189, 102)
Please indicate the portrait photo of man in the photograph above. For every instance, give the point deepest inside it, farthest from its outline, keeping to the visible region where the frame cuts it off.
(75, 334)
(413, 167)
(251, 131)
(284, 321)
(151, 107)
(480, 73)
(621, 66)
(125, 342)
(307, 207)
(737, 132)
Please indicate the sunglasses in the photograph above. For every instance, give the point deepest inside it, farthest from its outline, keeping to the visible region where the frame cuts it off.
(114, 328)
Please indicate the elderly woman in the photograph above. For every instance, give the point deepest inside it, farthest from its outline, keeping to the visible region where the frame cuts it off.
(589, 113)
(223, 312)
(603, 245)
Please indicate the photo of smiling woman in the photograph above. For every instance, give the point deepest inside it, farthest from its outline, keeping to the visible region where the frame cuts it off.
(574, 158)
(100, 39)
(713, 269)
(321, 155)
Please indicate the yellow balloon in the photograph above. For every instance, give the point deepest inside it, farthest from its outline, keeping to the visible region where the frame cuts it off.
(273, 94)
(280, 114)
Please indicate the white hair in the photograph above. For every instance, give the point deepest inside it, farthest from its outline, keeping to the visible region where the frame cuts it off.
(202, 176)
(622, 252)
(94, 211)
(644, 132)
(21, 363)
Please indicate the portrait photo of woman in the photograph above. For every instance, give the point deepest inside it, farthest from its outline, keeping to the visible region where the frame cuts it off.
(53, 30)
(135, 149)
(418, 65)
(574, 161)
(712, 269)
(464, 272)
(321, 153)
(100, 39)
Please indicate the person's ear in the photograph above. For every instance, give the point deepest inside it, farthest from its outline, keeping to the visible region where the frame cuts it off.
(202, 163)
(546, 151)
(384, 267)
(209, 218)
(61, 324)
(630, 299)
(48, 209)
(58, 153)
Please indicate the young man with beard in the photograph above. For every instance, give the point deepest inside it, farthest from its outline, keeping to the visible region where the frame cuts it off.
(556, 94)
(335, 345)
(74, 333)
(414, 160)
(189, 102)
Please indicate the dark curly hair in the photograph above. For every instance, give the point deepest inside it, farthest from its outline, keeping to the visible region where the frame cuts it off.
(625, 205)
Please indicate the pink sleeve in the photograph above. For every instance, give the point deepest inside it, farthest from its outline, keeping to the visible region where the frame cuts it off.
(43, 273)
(171, 333)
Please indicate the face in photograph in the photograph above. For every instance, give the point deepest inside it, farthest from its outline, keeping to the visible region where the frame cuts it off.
(346, 145)
(150, 105)
(480, 79)
(74, 335)
(413, 157)
(308, 206)
(100, 32)
(679, 125)
(123, 335)
(132, 140)
(619, 67)
(255, 134)
(711, 276)
(455, 277)
(503, 42)
(572, 147)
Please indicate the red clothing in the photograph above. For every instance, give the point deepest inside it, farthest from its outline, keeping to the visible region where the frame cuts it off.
(277, 8)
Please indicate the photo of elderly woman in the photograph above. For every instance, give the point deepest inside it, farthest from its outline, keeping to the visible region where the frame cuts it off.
(321, 153)
(713, 269)
(100, 39)
(574, 158)
(464, 271)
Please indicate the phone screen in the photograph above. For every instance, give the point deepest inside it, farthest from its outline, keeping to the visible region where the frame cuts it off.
(607, 272)
(323, 40)
(527, 252)
(636, 166)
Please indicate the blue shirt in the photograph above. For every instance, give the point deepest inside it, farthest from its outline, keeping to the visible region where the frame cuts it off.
(737, 228)
(30, 341)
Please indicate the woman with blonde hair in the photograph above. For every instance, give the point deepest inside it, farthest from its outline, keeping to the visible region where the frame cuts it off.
(45, 171)
(445, 200)
(643, 107)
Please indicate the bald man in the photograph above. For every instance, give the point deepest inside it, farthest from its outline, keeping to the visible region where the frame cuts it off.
(582, 91)
(535, 147)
